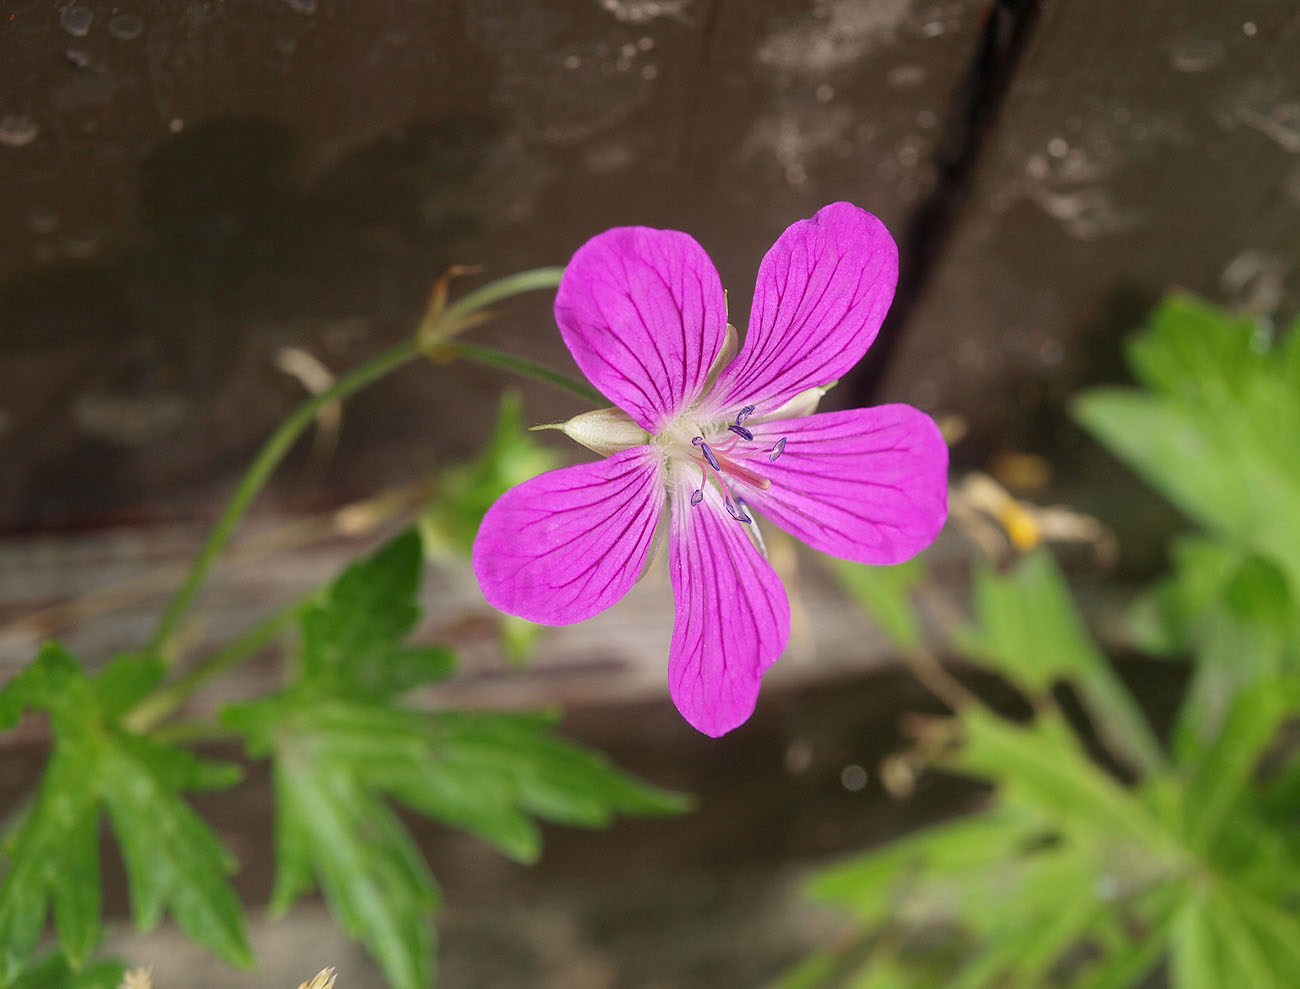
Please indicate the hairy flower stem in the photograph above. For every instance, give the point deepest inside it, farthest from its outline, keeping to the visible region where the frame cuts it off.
(522, 365)
(163, 701)
(438, 324)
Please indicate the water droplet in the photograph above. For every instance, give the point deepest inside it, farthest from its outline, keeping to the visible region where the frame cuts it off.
(84, 245)
(905, 76)
(176, 125)
(925, 119)
(825, 93)
(646, 43)
(124, 27)
(1196, 56)
(1249, 29)
(649, 72)
(798, 757)
(853, 777)
(572, 62)
(628, 50)
(1036, 167)
(17, 129)
(42, 220)
(76, 20)
(1058, 147)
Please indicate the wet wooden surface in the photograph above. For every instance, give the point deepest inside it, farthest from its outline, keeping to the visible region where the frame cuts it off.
(1137, 148)
(189, 194)
(187, 191)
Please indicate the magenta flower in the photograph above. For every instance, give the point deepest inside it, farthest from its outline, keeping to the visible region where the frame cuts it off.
(717, 436)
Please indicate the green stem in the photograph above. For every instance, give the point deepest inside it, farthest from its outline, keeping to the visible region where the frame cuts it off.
(284, 437)
(156, 706)
(502, 288)
(522, 365)
(264, 464)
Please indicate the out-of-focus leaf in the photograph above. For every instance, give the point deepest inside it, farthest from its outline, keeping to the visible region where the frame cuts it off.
(1027, 628)
(872, 885)
(1216, 432)
(814, 972)
(173, 859)
(884, 594)
(1127, 961)
(1043, 765)
(1241, 636)
(1164, 620)
(1224, 767)
(1217, 941)
(467, 491)
(1196, 350)
(54, 972)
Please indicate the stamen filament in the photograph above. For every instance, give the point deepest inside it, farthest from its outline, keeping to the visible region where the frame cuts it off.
(744, 473)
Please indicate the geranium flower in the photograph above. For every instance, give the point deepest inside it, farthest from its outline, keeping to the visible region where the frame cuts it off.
(718, 435)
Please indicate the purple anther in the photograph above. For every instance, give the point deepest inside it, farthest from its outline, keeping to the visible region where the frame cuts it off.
(741, 431)
(697, 497)
(708, 454)
(777, 450)
(744, 414)
(736, 512)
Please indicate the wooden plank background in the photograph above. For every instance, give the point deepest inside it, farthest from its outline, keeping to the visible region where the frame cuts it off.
(188, 190)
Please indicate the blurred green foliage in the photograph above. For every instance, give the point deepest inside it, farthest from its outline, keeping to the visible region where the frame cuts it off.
(345, 745)
(342, 745)
(465, 493)
(1086, 873)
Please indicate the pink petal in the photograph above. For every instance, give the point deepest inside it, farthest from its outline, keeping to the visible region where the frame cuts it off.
(733, 618)
(643, 313)
(822, 293)
(868, 484)
(570, 543)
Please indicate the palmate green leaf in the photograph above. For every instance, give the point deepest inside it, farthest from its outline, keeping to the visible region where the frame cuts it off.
(331, 826)
(1215, 432)
(342, 748)
(1028, 629)
(354, 636)
(54, 861)
(173, 859)
(336, 759)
